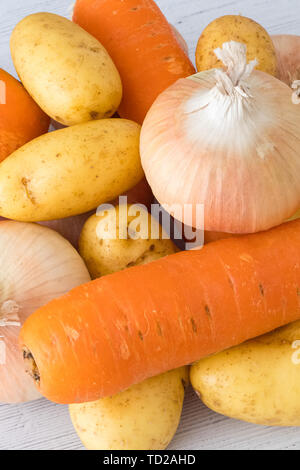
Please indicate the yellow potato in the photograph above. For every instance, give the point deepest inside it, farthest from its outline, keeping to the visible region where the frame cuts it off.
(65, 69)
(144, 417)
(104, 252)
(70, 171)
(236, 28)
(258, 382)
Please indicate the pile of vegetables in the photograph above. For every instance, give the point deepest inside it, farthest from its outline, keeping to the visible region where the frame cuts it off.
(117, 349)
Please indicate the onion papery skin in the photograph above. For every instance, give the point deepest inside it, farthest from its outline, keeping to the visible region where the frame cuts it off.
(241, 160)
(37, 265)
(288, 57)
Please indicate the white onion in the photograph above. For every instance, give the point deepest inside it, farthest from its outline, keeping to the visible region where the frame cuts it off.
(37, 265)
(287, 49)
(229, 140)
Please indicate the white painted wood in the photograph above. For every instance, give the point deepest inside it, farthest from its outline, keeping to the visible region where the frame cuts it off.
(43, 425)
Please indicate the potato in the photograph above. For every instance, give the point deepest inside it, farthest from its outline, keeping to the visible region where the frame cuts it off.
(258, 382)
(240, 29)
(105, 253)
(144, 417)
(65, 69)
(70, 171)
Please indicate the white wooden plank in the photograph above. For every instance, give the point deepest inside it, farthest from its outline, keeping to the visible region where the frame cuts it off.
(43, 425)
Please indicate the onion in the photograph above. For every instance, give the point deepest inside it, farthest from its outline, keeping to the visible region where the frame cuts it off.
(214, 236)
(288, 59)
(37, 265)
(229, 140)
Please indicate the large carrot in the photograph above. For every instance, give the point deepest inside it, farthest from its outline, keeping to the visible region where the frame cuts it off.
(104, 336)
(21, 119)
(143, 46)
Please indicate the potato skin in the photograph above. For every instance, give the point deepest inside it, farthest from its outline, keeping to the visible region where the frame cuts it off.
(144, 417)
(257, 382)
(241, 29)
(104, 256)
(70, 171)
(65, 69)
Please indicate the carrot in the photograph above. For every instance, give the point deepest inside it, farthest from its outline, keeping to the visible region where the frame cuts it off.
(141, 43)
(21, 119)
(116, 331)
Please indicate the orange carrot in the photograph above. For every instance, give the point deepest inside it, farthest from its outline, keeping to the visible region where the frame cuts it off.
(106, 335)
(21, 119)
(141, 43)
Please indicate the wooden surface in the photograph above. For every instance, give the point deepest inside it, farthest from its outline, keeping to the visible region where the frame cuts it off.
(43, 425)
